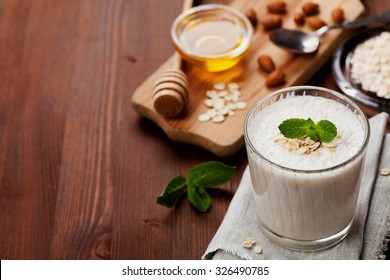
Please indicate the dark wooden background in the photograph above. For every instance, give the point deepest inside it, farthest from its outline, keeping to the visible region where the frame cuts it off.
(80, 171)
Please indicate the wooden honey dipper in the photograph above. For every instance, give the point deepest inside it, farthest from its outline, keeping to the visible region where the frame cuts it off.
(170, 92)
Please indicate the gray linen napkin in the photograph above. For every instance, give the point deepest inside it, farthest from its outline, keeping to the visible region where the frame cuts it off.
(240, 221)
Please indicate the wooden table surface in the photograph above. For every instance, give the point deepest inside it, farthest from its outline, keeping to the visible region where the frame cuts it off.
(80, 171)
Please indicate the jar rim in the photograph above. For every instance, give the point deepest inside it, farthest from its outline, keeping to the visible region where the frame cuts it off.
(229, 11)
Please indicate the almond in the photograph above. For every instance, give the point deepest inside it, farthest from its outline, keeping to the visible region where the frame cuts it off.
(315, 22)
(272, 22)
(337, 15)
(310, 8)
(299, 19)
(252, 16)
(266, 63)
(276, 7)
(275, 78)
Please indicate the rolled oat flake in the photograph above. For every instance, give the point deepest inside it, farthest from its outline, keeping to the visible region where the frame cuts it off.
(370, 65)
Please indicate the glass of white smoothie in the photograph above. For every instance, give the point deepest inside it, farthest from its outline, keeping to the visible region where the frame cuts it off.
(306, 184)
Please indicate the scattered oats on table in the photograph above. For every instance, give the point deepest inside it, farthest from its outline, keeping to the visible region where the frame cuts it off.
(248, 242)
(258, 250)
(384, 172)
(222, 101)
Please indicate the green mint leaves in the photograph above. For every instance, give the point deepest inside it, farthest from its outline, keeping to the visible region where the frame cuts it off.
(326, 131)
(173, 191)
(205, 175)
(323, 130)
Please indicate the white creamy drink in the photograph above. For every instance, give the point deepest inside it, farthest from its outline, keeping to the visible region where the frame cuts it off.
(305, 191)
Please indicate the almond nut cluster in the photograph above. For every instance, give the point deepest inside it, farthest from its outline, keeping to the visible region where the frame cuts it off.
(309, 14)
(276, 10)
(276, 76)
(305, 145)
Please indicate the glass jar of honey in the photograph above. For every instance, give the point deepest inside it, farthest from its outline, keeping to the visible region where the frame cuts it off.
(213, 37)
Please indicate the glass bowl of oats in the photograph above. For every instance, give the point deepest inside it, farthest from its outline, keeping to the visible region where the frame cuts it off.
(361, 67)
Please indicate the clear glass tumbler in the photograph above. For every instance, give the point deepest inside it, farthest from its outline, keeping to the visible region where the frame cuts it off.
(304, 210)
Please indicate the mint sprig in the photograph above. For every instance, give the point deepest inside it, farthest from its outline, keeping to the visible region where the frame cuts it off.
(200, 177)
(324, 130)
(173, 191)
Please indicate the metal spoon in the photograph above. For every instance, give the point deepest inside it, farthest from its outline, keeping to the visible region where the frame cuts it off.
(299, 42)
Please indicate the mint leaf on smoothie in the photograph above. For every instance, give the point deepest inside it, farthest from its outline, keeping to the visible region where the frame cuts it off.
(202, 176)
(295, 128)
(323, 130)
(312, 133)
(326, 131)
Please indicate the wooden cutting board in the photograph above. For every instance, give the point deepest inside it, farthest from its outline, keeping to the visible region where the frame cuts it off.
(225, 139)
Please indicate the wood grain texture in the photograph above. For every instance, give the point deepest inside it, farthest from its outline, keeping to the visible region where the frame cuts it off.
(80, 170)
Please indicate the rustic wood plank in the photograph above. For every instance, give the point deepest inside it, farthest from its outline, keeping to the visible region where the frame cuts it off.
(83, 228)
(32, 107)
(141, 227)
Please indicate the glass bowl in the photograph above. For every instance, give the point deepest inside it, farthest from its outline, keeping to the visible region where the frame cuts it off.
(341, 69)
(213, 37)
